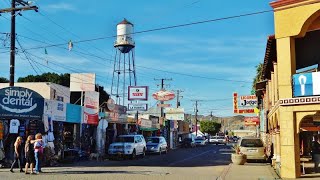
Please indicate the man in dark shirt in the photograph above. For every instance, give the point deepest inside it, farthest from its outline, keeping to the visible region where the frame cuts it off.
(316, 153)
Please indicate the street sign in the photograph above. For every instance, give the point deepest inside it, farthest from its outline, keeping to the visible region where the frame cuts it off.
(164, 105)
(137, 107)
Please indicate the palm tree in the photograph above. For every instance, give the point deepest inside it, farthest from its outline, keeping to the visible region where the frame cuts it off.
(258, 76)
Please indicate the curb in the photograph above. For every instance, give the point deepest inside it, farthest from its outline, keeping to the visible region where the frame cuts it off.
(224, 173)
(274, 173)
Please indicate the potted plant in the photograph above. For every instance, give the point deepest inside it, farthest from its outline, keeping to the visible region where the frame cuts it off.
(238, 158)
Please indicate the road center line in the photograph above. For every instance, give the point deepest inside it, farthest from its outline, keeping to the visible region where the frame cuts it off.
(186, 159)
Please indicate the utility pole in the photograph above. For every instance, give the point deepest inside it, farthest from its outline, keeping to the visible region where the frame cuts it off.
(196, 114)
(178, 97)
(22, 6)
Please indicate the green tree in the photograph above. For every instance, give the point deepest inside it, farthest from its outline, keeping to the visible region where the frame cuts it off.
(258, 77)
(209, 127)
(3, 80)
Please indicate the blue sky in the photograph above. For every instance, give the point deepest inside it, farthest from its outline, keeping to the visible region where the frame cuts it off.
(228, 49)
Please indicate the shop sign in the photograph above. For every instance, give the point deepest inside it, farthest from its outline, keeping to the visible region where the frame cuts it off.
(174, 113)
(306, 84)
(56, 110)
(91, 108)
(20, 103)
(251, 121)
(137, 107)
(111, 104)
(248, 101)
(163, 95)
(145, 123)
(138, 93)
(74, 113)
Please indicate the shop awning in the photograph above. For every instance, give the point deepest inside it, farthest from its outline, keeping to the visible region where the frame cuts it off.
(148, 129)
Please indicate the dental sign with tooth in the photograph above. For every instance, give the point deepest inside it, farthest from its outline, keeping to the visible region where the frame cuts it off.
(21, 103)
(306, 84)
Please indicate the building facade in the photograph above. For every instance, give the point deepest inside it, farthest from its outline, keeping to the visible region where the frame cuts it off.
(289, 92)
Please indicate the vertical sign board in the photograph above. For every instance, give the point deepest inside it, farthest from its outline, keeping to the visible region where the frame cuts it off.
(235, 102)
(91, 108)
(138, 93)
(20, 103)
(74, 113)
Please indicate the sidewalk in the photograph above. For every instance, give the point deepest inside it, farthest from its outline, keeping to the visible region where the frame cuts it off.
(249, 171)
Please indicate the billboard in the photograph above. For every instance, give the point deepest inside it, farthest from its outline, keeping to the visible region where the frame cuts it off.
(20, 103)
(91, 108)
(82, 82)
(138, 93)
(306, 84)
(55, 110)
(163, 95)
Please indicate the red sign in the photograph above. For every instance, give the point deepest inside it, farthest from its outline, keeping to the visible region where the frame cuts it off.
(91, 108)
(251, 121)
(163, 95)
(164, 105)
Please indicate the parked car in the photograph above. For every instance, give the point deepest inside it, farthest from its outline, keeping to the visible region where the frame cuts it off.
(128, 146)
(157, 145)
(201, 141)
(253, 147)
(188, 142)
(218, 140)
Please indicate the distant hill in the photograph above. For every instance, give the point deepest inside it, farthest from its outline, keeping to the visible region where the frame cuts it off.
(227, 123)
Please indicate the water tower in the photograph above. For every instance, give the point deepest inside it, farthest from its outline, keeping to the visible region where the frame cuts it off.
(124, 71)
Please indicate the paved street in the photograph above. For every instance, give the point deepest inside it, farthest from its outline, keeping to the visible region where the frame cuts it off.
(187, 163)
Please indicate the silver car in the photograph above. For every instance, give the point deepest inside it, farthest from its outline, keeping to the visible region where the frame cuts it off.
(157, 145)
(253, 147)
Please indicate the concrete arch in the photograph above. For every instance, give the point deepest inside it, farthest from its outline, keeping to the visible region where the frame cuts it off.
(312, 23)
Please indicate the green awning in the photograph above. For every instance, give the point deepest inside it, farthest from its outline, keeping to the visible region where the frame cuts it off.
(148, 129)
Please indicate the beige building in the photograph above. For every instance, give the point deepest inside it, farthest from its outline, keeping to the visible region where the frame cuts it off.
(47, 90)
(291, 101)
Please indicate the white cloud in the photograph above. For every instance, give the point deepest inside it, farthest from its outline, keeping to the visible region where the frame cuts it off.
(60, 7)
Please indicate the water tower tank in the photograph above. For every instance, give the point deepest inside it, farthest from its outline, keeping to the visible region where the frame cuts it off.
(124, 40)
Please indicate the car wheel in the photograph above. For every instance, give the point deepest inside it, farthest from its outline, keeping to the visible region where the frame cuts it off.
(166, 151)
(133, 155)
(144, 152)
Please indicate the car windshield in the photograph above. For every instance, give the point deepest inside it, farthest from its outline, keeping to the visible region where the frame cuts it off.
(153, 140)
(251, 143)
(125, 139)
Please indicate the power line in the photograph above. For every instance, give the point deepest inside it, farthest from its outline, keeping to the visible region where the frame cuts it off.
(161, 28)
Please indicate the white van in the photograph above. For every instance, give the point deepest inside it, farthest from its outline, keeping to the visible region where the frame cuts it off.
(129, 146)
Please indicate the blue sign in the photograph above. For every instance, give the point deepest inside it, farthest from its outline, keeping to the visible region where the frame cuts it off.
(74, 113)
(306, 84)
(20, 103)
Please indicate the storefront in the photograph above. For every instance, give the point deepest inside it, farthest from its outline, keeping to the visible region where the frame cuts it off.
(20, 115)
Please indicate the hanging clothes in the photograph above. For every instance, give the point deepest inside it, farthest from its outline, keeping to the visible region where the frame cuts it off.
(70, 45)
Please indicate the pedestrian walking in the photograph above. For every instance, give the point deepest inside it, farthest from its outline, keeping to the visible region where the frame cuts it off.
(38, 152)
(316, 153)
(17, 154)
(29, 154)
